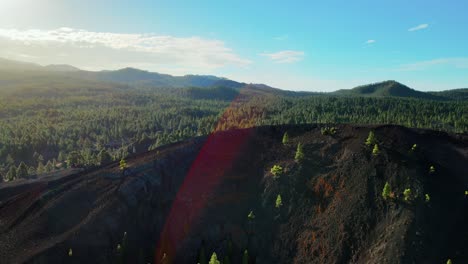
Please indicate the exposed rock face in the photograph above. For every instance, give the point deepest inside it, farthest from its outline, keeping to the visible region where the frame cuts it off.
(194, 196)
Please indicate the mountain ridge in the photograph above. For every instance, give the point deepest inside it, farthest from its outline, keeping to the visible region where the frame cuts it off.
(142, 78)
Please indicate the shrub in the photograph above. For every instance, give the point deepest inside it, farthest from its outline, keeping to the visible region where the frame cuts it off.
(407, 195)
(122, 164)
(251, 215)
(328, 130)
(276, 170)
(386, 192)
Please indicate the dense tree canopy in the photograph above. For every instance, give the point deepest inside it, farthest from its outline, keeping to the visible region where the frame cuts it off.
(92, 125)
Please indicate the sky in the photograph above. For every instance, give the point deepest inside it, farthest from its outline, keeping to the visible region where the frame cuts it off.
(295, 45)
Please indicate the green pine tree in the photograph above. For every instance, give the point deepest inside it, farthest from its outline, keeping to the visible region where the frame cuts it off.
(49, 167)
(371, 139)
(40, 168)
(22, 171)
(214, 259)
(386, 191)
(11, 174)
(279, 201)
(375, 150)
(285, 138)
(299, 153)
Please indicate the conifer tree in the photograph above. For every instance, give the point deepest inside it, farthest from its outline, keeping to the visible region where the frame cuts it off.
(279, 201)
(49, 167)
(11, 175)
(40, 168)
(299, 153)
(371, 139)
(22, 171)
(285, 138)
(386, 191)
(375, 150)
(214, 259)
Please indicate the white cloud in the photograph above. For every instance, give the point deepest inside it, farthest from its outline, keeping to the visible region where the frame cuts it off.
(370, 41)
(419, 27)
(105, 50)
(461, 63)
(285, 56)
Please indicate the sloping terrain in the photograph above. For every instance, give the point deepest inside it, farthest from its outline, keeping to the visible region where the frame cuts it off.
(389, 89)
(454, 94)
(181, 202)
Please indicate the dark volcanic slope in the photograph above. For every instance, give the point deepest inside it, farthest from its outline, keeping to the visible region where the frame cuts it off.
(194, 196)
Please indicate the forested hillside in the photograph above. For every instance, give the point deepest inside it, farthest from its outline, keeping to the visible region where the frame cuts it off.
(51, 120)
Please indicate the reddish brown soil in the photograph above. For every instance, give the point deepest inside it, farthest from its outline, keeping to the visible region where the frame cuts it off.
(194, 196)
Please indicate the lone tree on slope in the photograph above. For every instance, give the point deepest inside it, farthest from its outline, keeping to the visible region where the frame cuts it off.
(386, 191)
(285, 138)
(375, 150)
(214, 259)
(299, 153)
(279, 201)
(371, 139)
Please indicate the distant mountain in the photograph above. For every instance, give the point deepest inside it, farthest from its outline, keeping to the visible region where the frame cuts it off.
(455, 94)
(387, 89)
(61, 68)
(132, 78)
(136, 77)
(12, 65)
(6, 64)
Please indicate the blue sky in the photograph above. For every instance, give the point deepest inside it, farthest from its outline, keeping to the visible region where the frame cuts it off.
(297, 45)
